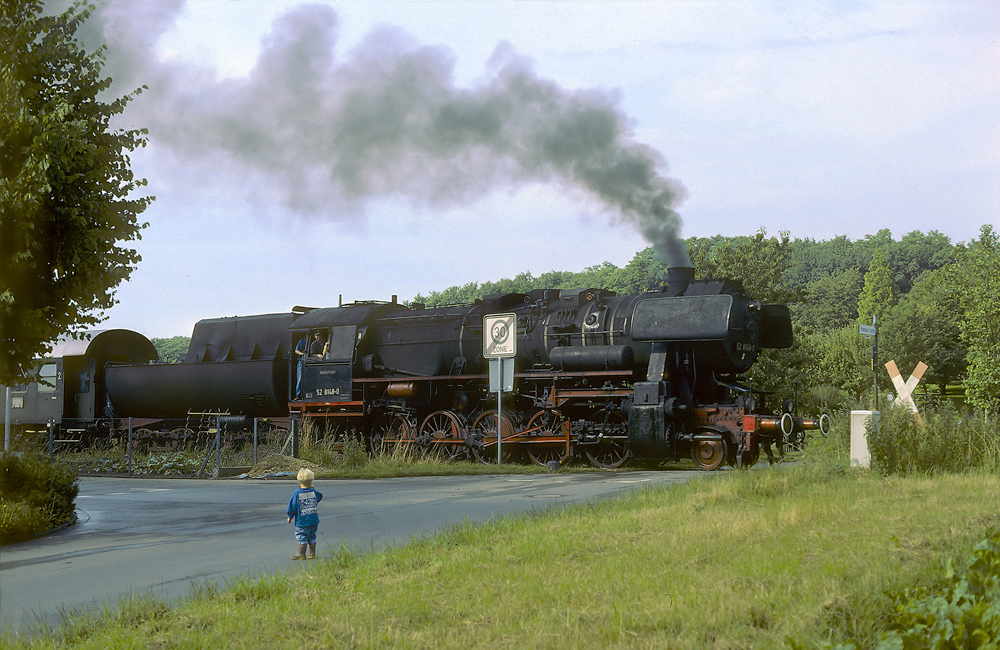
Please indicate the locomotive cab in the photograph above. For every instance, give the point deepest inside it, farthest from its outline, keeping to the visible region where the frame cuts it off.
(334, 342)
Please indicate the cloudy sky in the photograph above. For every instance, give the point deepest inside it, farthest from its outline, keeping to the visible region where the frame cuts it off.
(300, 153)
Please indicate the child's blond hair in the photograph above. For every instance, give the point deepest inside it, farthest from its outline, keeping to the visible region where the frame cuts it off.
(305, 477)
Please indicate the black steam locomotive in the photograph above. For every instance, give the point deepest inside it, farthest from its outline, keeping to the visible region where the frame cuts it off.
(597, 376)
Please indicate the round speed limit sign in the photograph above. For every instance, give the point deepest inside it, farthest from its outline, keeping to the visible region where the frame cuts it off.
(499, 335)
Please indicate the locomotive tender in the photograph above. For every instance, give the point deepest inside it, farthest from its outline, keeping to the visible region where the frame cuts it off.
(599, 376)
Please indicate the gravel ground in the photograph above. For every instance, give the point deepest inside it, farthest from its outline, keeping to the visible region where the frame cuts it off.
(277, 463)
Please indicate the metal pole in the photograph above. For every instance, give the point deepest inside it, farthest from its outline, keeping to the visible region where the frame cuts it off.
(255, 420)
(875, 360)
(129, 450)
(6, 420)
(51, 425)
(218, 444)
(499, 408)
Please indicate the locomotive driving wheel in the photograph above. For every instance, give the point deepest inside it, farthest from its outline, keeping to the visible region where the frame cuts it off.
(709, 454)
(483, 437)
(391, 432)
(547, 423)
(444, 433)
(612, 451)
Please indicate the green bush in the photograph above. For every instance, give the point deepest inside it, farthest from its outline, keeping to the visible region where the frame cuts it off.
(963, 611)
(945, 442)
(960, 610)
(36, 496)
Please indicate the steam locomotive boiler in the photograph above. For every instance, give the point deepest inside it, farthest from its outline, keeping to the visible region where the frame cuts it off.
(601, 376)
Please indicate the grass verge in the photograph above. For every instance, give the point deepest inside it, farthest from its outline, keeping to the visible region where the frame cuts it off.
(734, 560)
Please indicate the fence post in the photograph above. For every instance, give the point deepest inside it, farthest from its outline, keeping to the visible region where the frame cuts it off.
(128, 451)
(295, 437)
(51, 436)
(6, 419)
(255, 421)
(218, 444)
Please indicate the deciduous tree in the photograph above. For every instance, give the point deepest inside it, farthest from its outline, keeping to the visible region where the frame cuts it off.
(831, 302)
(67, 204)
(978, 273)
(924, 326)
(880, 292)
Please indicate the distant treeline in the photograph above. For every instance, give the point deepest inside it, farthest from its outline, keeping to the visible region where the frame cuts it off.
(803, 262)
(172, 350)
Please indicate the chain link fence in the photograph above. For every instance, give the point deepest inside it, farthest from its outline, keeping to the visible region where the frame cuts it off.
(199, 445)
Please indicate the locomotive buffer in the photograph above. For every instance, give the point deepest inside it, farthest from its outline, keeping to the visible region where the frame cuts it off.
(500, 347)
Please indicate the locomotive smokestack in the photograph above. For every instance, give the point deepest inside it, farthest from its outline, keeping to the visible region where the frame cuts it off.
(678, 279)
(330, 132)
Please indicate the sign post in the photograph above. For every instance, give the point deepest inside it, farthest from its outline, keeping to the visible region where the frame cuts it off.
(871, 332)
(500, 347)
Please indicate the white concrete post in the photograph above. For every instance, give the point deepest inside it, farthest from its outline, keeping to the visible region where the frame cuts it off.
(860, 456)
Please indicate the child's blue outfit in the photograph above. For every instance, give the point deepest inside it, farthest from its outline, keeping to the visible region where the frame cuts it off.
(303, 509)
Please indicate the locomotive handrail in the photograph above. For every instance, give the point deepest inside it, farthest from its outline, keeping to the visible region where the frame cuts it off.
(576, 334)
(546, 374)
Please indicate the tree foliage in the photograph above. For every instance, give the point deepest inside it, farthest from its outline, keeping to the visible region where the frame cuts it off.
(924, 327)
(172, 350)
(843, 359)
(880, 293)
(977, 272)
(66, 210)
(831, 302)
(908, 258)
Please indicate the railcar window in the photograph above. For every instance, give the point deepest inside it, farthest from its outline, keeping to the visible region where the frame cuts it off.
(47, 378)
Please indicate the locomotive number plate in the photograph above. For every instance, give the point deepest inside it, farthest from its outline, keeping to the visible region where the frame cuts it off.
(327, 382)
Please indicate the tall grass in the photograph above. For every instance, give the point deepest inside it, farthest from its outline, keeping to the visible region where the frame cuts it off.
(345, 454)
(945, 441)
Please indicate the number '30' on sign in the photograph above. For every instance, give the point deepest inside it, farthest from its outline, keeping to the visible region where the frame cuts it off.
(499, 335)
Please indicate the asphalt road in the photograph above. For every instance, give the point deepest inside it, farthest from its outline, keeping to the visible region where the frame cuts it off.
(161, 536)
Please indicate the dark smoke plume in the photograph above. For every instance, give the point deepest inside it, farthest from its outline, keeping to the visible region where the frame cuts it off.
(387, 120)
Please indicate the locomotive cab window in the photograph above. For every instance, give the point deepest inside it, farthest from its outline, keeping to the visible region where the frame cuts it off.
(318, 344)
